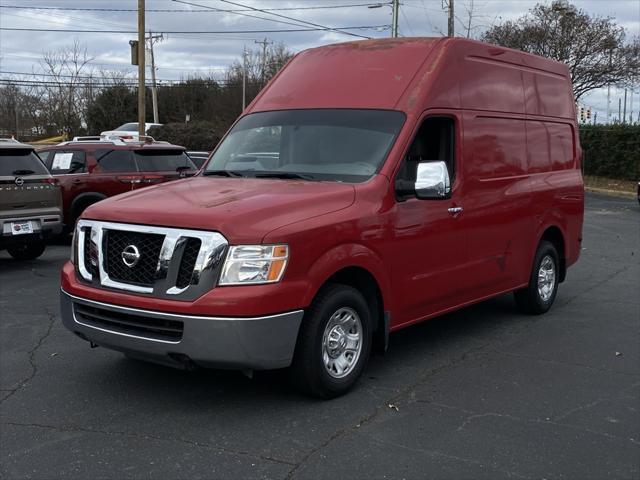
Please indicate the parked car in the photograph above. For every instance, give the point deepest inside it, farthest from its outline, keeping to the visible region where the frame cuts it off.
(30, 201)
(128, 131)
(399, 179)
(198, 157)
(91, 170)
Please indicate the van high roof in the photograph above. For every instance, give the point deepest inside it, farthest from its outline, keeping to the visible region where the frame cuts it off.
(404, 74)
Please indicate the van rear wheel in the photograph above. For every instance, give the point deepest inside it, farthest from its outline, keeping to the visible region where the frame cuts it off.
(334, 342)
(539, 295)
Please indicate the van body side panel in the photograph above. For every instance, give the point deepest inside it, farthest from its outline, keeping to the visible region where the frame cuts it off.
(497, 202)
(556, 181)
(548, 94)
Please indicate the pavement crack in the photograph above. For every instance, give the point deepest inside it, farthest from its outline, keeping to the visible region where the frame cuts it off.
(32, 358)
(437, 453)
(193, 443)
(385, 406)
(601, 282)
(570, 364)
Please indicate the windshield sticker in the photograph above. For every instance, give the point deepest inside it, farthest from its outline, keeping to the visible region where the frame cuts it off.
(61, 161)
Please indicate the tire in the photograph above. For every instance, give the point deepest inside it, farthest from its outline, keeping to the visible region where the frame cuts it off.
(334, 342)
(539, 295)
(27, 251)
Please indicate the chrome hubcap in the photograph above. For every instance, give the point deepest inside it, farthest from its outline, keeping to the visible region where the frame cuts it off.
(342, 342)
(546, 278)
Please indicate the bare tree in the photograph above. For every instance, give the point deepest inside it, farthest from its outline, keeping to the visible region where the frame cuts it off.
(593, 48)
(67, 84)
(472, 20)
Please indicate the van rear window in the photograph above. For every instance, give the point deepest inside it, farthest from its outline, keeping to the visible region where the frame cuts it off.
(21, 162)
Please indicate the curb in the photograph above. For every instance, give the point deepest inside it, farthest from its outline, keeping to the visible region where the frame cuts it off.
(613, 193)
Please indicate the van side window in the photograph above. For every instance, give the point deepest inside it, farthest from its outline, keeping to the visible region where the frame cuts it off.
(434, 141)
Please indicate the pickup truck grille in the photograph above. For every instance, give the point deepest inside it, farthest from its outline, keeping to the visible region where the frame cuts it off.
(158, 261)
(143, 272)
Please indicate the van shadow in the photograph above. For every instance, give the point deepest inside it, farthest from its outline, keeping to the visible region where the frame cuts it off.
(440, 340)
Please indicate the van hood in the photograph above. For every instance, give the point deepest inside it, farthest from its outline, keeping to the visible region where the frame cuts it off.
(244, 210)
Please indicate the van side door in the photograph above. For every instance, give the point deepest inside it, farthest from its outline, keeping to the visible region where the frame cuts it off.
(428, 273)
(498, 203)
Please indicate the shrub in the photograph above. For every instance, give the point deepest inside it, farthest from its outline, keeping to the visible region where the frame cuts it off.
(196, 135)
(611, 151)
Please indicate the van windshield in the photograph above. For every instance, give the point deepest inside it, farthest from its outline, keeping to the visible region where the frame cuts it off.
(327, 144)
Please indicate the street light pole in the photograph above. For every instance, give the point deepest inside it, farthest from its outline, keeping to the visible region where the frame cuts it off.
(141, 66)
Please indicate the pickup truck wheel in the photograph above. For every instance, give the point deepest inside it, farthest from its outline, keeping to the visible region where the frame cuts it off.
(334, 342)
(539, 295)
(27, 251)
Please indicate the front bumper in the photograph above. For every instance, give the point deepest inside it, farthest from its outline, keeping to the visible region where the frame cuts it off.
(257, 343)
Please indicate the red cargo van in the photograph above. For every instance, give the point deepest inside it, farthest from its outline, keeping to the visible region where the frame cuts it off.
(371, 185)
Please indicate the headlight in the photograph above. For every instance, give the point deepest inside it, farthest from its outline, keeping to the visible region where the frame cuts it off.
(252, 264)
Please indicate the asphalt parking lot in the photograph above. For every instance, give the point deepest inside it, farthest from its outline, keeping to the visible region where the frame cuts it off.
(481, 393)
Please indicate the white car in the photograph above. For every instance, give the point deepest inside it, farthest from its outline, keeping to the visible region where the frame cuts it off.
(128, 131)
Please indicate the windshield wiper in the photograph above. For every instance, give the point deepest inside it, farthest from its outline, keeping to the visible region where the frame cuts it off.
(23, 172)
(222, 173)
(183, 168)
(285, 175)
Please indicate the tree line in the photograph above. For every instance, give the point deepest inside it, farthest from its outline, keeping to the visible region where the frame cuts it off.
(72, 98)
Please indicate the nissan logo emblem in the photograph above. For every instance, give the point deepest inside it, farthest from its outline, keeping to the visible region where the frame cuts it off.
(130, 255)
(19, 181)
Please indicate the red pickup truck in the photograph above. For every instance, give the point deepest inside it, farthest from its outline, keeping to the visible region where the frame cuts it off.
(370, 185)
(89, 169)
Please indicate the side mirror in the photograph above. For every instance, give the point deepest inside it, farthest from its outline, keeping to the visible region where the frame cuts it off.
(432, 180)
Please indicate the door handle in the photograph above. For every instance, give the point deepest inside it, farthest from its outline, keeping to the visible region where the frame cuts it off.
(455, 210)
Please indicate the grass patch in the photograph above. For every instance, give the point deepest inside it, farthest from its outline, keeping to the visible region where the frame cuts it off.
(622, 186)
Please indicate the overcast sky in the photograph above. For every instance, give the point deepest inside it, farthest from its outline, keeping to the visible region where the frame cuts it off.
(181, 55)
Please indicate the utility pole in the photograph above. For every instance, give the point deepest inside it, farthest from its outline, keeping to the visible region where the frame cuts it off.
(395, 10)
(154, 87)
(450, 24)
(244, 78)
(624, 110)
(609, 91)
(263, 70)
(631, 103)
(141, 62)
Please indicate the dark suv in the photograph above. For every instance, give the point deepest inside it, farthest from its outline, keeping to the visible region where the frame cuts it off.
(30, 201)
(89, 169)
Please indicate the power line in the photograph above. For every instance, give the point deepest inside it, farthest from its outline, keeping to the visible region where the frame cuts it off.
(208, 10)
(200, 32)
(291, 18)
(237, 13)
(130, 84)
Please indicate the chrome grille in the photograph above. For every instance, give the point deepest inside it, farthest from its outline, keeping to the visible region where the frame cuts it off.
(172, 263)
(189, 257)
(144, 271)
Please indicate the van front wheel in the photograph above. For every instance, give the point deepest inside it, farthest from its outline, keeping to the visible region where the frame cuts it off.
(539, 295)
(334, 342)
